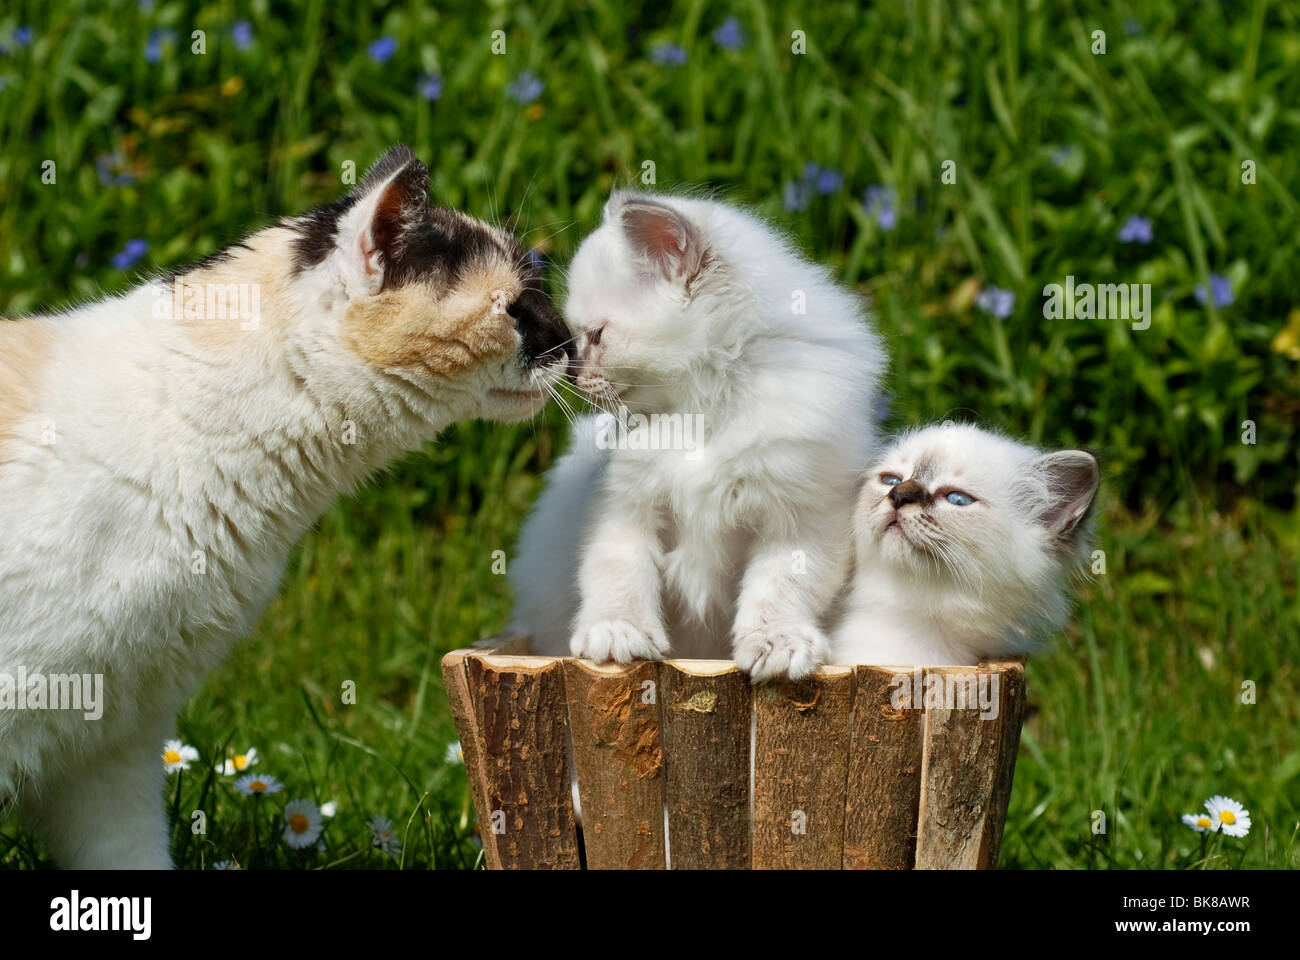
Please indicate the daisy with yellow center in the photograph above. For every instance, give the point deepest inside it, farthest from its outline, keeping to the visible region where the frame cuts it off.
(302, 823)
(254, 785)
(226, 865)
(178, 756)
(1200, 822)
(239, 763)
(1228, 815)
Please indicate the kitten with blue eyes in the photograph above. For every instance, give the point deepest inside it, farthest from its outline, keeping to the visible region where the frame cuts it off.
(965, 542)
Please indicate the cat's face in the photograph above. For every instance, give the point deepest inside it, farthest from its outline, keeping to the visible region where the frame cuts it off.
(631, 302)
(964, 505)
(431, 295)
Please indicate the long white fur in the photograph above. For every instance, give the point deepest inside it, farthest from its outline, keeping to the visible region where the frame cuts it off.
(638, 554)
(956, 584)
(97, 567)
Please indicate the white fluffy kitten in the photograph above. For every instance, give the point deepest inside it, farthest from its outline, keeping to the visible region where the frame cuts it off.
(155, 470)
(691, 307)
(965, 543)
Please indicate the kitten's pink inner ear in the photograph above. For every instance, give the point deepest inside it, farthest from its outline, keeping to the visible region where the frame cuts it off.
(664, 238)
(1072, 478)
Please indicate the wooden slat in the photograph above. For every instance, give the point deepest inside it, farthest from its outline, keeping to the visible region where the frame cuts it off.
(462, 711)
(614, 721)
(884, 780)
(958, 767)
(801, 757)
(522, 721)
(705, 706)
(1010, 720)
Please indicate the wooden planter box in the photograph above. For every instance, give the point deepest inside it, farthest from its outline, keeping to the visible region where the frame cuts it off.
(857, 767)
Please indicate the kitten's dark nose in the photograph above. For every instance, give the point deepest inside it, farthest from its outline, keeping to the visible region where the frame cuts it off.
(909, 491)
(543, 331)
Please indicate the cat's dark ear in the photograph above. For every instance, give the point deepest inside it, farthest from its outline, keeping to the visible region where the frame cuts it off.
(661, 236)
(1072, 478)
(392, 200)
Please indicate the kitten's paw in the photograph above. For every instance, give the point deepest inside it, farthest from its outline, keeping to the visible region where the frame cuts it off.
(788, 651)
(619, 640)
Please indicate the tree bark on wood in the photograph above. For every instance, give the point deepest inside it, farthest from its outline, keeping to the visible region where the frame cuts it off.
(1010, 720)
(614, 722)
(801, 760)
(958, 767)
(884, 780)
(462, 711)
(705, 706)
(522, 720)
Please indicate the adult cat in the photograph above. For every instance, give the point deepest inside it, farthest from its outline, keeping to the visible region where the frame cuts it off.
(161, 451)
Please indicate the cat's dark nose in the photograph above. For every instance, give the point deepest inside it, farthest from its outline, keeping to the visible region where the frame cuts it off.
(909, 491)
(543, 331)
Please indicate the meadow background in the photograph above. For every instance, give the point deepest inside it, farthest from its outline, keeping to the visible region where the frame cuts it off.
(163, 155)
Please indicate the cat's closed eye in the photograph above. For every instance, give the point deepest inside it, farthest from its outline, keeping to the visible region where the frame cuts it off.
(593, 336)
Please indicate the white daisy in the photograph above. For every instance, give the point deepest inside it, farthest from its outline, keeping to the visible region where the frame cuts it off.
(226, 865)
(454, 753)
(381, 835)
(302, 823)
(238, 763)
(328, 809)
(1200, 822)
(1230, 816)
(255, 784)
(178, 756)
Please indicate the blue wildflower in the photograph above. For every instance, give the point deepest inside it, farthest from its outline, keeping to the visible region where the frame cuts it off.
(1135, 230)
(729, 36)
(537, 260)
(242, 32)
(154, 48)
(1061, 155)
(382, 50)
(829, 181)
(430, 86)
(880, 203)
(111, 168)
(883, 407)
(526, 88)
(797, 194)
(996, 301)
(1132, 27)
(668, 55)
(1220, 287)
(23, 36)
(135, 249)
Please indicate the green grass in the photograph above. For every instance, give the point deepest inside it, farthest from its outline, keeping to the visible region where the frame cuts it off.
(1138, 711)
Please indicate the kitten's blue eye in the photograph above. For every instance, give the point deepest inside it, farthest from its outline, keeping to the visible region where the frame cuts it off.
(960, 499)
(890, 479)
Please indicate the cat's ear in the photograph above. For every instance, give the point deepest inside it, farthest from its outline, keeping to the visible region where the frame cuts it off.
(661, 237)
(1072, 478)
(392, 200)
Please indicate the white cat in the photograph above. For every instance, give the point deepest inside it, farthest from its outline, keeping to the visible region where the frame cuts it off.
(161, 451)
(736, 547)
(965, 543)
